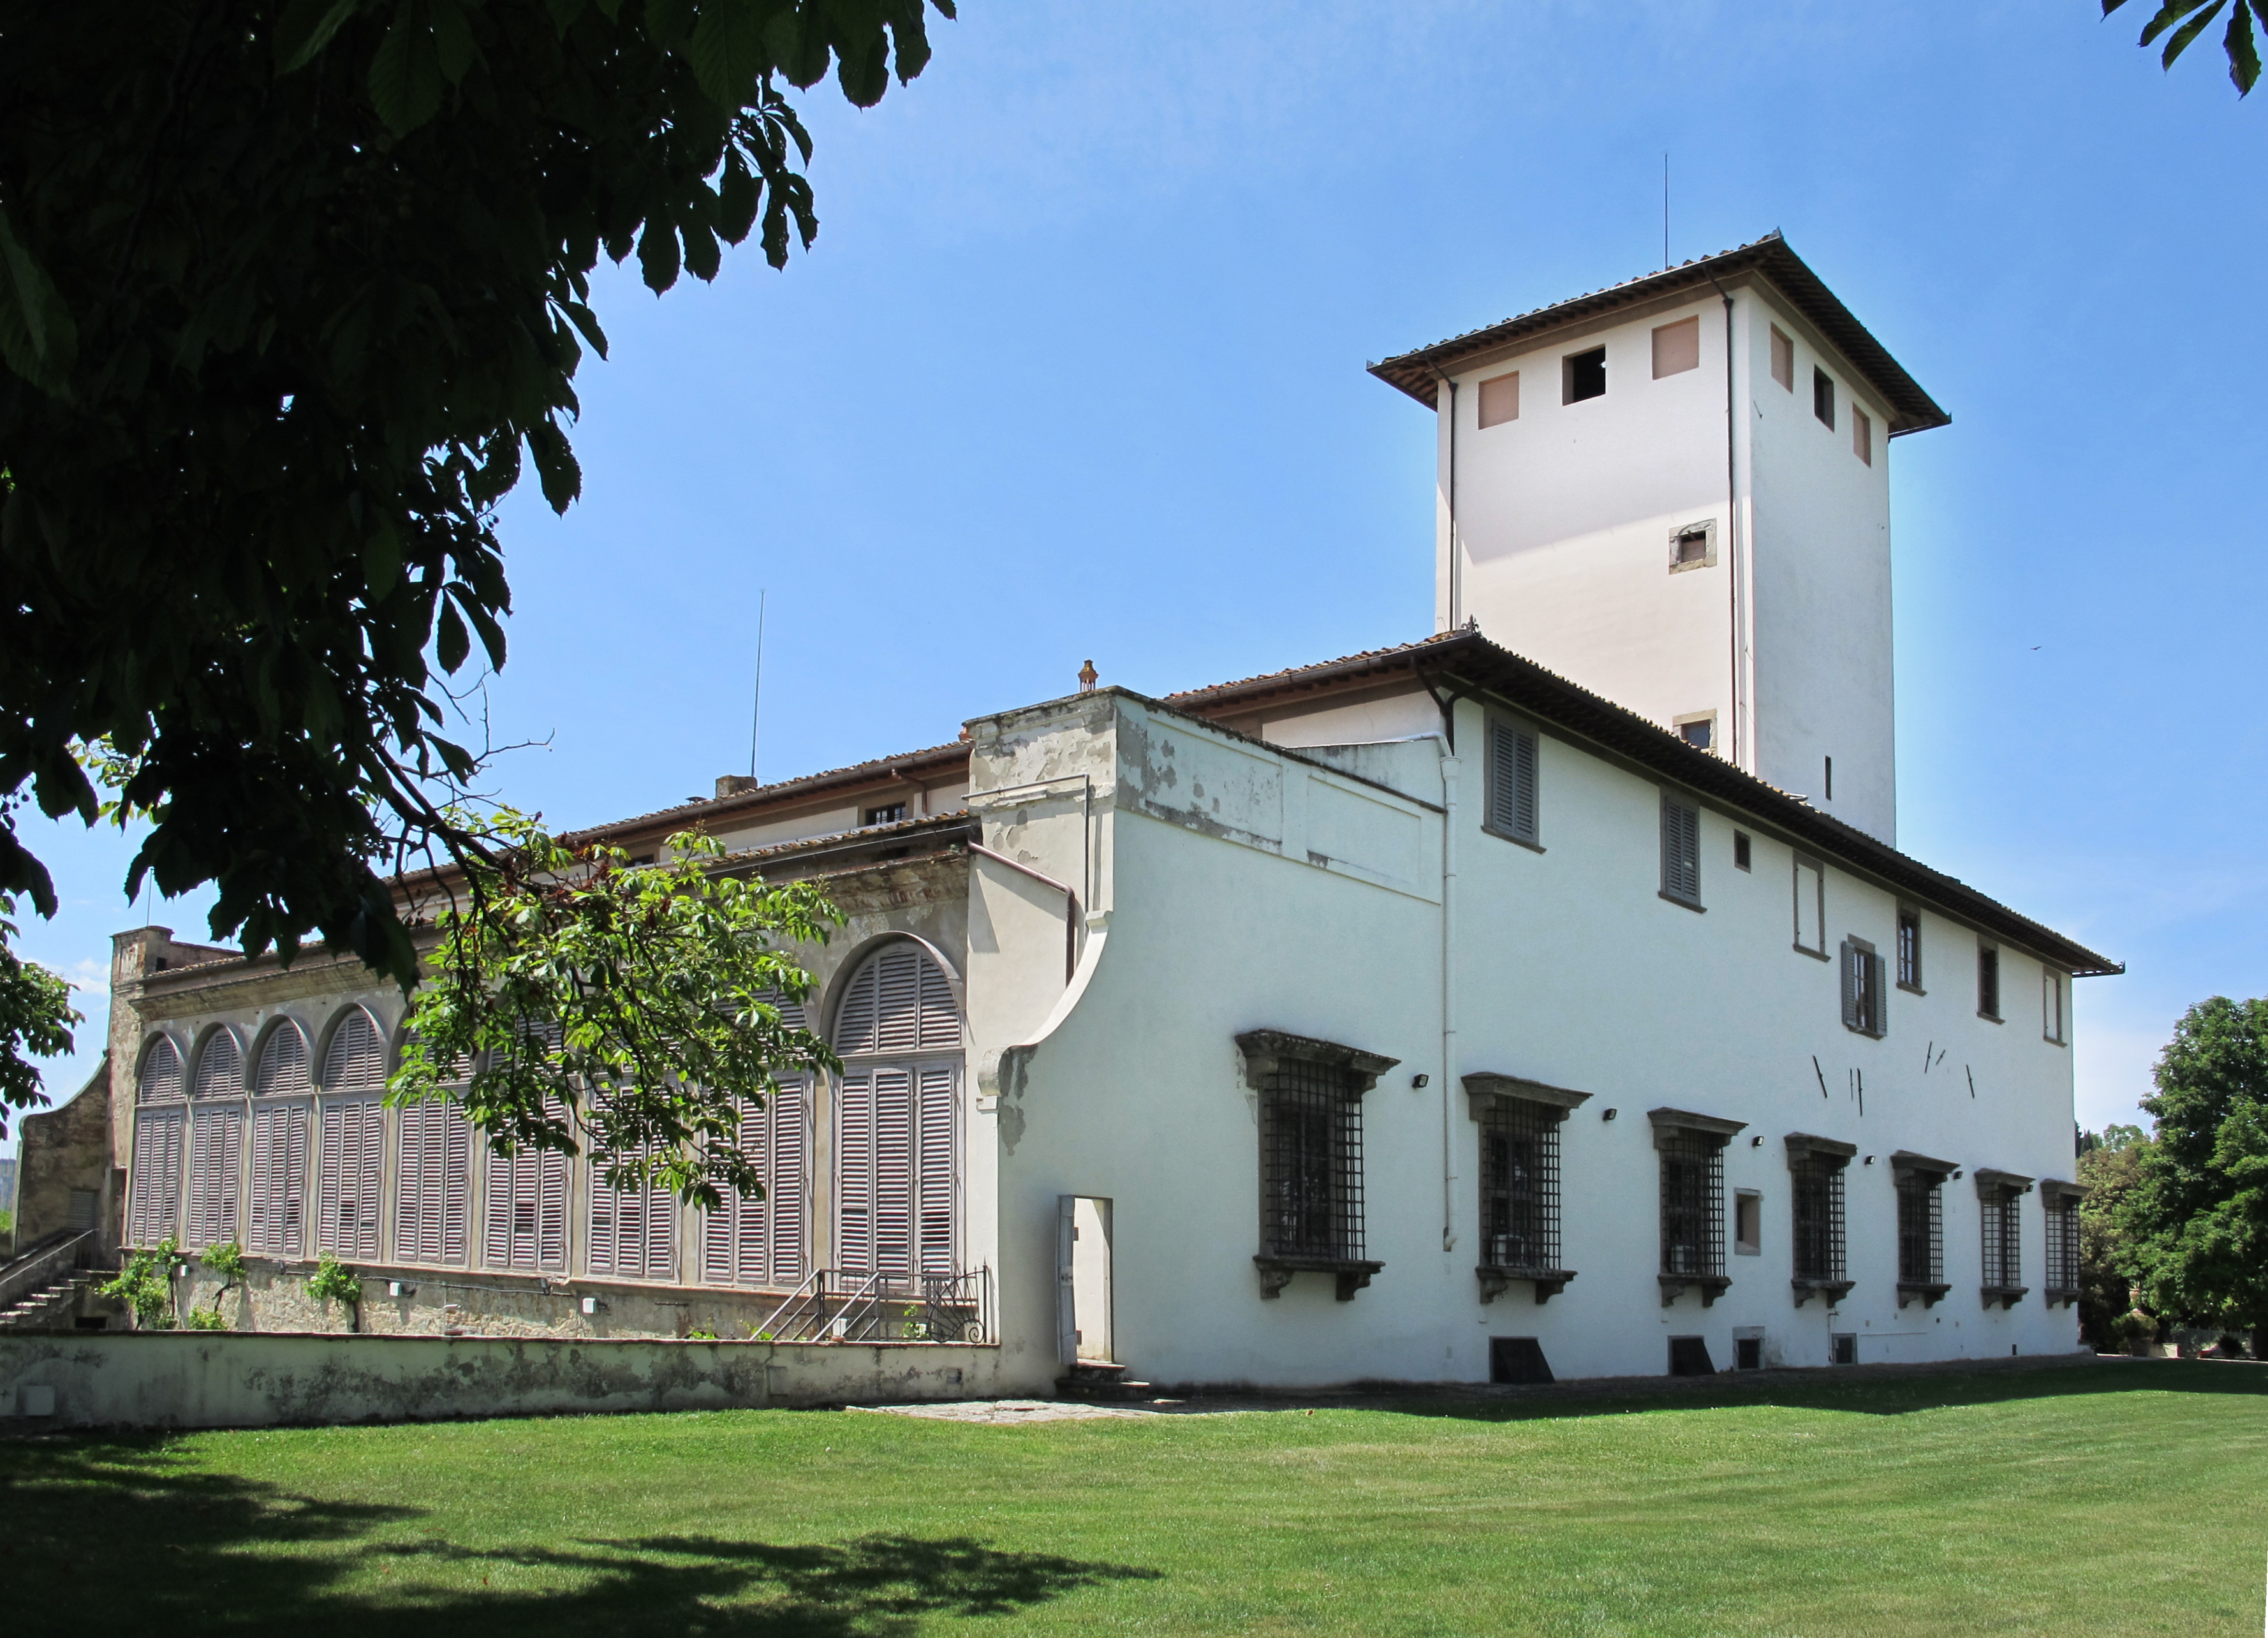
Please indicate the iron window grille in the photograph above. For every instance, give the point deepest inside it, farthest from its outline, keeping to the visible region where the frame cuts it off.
(1920, 1183)
(1815, 1177)
(1519, 1219)
(1863, 1008)
(2061, 1201)
(1691, 1149)
(2000, 1197)
(1680, 851)
(1311, 1172)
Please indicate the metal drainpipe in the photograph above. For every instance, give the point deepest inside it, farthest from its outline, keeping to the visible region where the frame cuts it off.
(1449, 769)
(1456, 574)
(1732, 527)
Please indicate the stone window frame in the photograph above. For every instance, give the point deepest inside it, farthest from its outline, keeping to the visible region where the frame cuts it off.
(1487, 1093)
(1266, 1052)
(1682, 1133)
(1807, 1150)
(1904, 1165)
(1999, 1195)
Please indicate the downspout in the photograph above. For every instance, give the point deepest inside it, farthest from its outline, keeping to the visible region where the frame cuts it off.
(1449, 769)
(1732, 530)
(1456, 571)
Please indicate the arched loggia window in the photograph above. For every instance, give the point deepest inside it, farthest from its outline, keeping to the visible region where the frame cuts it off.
(765, 1242)
(215, 1143)
(160, 1125)
(897, 1029)
(281, 1104)
(354, 1126)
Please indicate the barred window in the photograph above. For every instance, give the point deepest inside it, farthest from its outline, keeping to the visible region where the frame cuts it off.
(1816, 1194)
(1519, 1184)
(1311, 1162)
(1512, 773)
(1692, 1202)
(1921, 1221)
(1681, 851)
(2061, 1201)
(2000, 1197)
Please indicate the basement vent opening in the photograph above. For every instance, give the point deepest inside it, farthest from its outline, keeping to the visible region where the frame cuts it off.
(1518, 1359)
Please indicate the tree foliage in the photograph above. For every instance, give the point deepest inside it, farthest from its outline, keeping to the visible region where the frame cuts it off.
(2180, 22)
(2198, 1214)
(2111, 1168)
(36, 1021)
(288, 290)
(637, 1009)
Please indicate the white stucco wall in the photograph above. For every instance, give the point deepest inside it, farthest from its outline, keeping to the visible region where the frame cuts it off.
(1569, 968)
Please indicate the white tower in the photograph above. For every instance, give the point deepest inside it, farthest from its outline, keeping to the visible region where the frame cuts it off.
(1675, 492)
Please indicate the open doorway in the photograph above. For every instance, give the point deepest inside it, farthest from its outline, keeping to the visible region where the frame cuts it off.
(1083, 1327)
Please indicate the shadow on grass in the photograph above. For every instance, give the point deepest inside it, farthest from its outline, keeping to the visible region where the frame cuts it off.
(99, 1533)
(1855, 1390)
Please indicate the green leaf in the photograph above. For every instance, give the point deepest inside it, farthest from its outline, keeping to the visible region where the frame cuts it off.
(305, 28)
(2243, 54)
(2171, 13)
(451, 641)
(38, 339)
(2190, 31)
(452, 40)
(726, 52)
(657, 251)
(405, 75)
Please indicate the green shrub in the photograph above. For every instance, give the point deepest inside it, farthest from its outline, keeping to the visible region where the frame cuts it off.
(333, 1282)
(207, 1319)
(145, 1284)
(226, 1259)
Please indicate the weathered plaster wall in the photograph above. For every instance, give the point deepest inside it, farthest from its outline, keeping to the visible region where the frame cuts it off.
(178, 1379)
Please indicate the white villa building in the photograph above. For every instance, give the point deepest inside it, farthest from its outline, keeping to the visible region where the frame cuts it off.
(1544, 996)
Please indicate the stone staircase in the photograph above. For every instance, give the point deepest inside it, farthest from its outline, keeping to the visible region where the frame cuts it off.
(1102, 1381)
(51, 1307)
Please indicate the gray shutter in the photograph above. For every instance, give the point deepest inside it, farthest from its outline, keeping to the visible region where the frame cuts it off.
(1512, 782)
(1680, 850)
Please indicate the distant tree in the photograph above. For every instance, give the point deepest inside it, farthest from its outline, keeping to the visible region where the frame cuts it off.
(639, 1010)
(36, 1021)
(2109, 1166)
(2181, 21)
(2198, 1214)
(287, 287)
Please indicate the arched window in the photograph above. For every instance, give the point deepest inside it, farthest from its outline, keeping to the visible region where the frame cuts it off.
(215, 1143)
(765, 1243)
(354, 1124)
(280, 1108)
(159, 1124)
(897, 1030)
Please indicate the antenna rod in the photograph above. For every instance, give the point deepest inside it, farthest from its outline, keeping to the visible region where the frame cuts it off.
(1665, 207)
(756, 711)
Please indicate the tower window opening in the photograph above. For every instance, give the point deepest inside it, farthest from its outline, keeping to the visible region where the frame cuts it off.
(1583, 375)
(1823, 398)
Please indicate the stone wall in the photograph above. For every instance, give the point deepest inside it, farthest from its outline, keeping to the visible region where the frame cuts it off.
(203, 1379)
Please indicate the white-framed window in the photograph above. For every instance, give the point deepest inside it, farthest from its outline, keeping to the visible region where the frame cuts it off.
(1698, 729)
(1513, 767)
(1810, 906)
(1910, 948)
(2052, 1006)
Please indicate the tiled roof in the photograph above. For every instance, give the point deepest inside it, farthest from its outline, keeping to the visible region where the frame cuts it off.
(705, 809)
(1911, 409)
(1470, 658)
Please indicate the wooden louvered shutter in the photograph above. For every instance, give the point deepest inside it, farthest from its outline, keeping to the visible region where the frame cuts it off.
(216, 1153)
(604, 1224)
(789, 1205)
(854, 1174)
(1851, 986)
(551, 1211)
(938, 1106)
(350, 1177)
(156, 1180)
(1512, 805)
(854, 1021)
(752, 1218)
(1680, 850)
(282, 1068)
(940, 1017)
(894, 1173)
(433, 1182)
(279, 1168)
(898, 975)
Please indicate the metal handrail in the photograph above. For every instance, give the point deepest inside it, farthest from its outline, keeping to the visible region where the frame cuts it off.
(856, 1305)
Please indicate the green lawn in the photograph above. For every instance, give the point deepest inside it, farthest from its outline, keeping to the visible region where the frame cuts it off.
(2110, 1499)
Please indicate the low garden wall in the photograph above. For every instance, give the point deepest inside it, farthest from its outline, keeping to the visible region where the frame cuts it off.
(240, 1379)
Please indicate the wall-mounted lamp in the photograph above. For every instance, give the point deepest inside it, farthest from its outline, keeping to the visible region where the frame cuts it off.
(1757, 1142)
(1956, 1175)
(1610, 1114)
(1870, 1160)
(1420, 1081)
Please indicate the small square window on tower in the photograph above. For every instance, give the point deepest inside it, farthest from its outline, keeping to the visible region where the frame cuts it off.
(1741, 849)
(1583, 375)
(1699, 731)
(1823, 398)
(1693, 545)
(1783, 359)
(1500, 400)
(1862, 435)
(1676, 347)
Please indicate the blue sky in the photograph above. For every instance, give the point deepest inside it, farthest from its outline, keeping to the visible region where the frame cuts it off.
(1075, 369)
